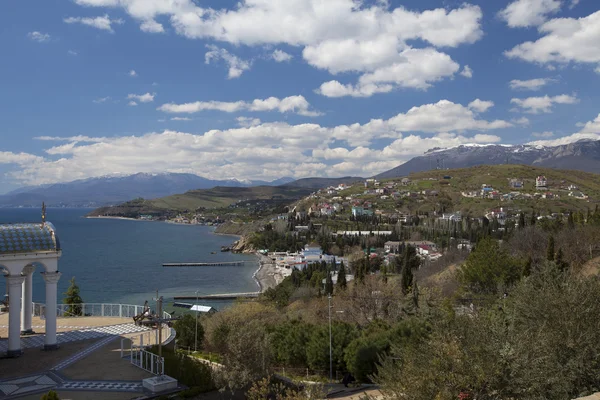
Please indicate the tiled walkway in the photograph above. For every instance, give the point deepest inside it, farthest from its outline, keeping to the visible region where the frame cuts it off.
(14, 388)
(81, 334)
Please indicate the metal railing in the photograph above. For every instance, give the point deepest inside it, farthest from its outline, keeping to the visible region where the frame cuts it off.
(148, 361)
(94, 310)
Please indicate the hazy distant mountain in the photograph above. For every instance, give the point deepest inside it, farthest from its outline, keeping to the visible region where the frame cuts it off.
(117, 189)
(583, 155)
(318, 183)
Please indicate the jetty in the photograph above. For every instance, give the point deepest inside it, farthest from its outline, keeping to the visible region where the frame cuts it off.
(205, 264)
(223, 296)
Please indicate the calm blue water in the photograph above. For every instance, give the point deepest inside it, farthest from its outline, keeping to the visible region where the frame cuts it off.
(119, 261)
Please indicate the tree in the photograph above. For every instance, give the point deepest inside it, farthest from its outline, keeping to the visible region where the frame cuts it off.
(186, 332)
(410, 262)
(328, 284)
(341, 279)
(561, 264)
(51, 395)
(550, 249)
(521, 221)
(488, 268)
(73, 300)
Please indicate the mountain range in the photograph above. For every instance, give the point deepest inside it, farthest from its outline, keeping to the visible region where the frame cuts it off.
(106, 190)
(583, 155)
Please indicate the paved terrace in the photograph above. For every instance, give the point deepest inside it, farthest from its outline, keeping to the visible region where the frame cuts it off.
(88, 364)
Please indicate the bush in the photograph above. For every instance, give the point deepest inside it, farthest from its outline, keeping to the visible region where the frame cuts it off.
(186, 370)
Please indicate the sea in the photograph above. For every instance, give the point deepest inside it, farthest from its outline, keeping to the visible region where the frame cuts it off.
(120, 261)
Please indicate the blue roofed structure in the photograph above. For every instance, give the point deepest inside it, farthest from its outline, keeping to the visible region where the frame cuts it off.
(28, 238)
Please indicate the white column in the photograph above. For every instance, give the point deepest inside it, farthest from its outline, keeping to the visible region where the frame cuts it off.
(51, 279)
(27, 300)
(14, 309)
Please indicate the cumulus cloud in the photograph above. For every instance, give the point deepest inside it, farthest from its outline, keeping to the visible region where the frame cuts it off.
(236, 65)
(481, 105)
(526, 13)
(294, 104)
(261, 150)
(563, 40)
(151, 26)
(39, 37)
(530, 84)
(589, 131)
(537, 105)
(523, 121)
(132, 103)
(103, 22)
(281, 56)
(467, 72)
(142, 98)
(337, 36)
(132, 73)
(181, 119)
(417, 68)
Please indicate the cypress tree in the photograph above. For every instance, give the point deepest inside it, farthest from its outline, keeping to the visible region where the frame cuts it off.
(550, 249)
(341, 280)
(560, 262)
(521, 221)
(328, 284)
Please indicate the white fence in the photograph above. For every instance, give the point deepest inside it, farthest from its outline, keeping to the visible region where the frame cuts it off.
(94, 310)
(148, 361)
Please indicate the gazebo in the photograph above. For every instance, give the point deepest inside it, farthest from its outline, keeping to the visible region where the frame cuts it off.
(23, 247)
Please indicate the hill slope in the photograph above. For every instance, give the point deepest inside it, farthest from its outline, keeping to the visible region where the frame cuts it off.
(582, 155)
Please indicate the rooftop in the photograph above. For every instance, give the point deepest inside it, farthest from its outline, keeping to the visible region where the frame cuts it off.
(28, 238)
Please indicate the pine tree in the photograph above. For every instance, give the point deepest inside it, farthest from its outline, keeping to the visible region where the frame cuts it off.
(341, 280)
(73, 299)
(550, 249)
(521, 221)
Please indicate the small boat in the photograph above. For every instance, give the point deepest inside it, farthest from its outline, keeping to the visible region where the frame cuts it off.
(213, 252)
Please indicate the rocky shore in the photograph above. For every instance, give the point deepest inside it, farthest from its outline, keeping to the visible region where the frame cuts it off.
(268, 274)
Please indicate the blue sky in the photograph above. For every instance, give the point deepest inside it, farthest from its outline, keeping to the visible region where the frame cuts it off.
(265, 88)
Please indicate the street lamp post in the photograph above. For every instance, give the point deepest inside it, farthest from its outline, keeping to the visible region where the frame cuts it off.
(330, 347)
(196, 335)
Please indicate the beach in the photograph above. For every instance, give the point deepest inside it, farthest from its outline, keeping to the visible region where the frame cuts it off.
(268, 274)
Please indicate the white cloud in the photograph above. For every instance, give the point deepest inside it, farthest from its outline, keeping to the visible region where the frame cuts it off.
(523, 121)
(39, 37)
(261, 150)
(531, 84)
(443, 116)
(537, 105)
(564, 40)
(247, 122)
(181, 119)
(103, 22)
(589, 131)
(101, 100)
(597, 70)
(481, 105)
(546, 134)
(151, 26)
(418, 69)
(132, 73)
(72, 52)
(281, 56)
(236, 65)
(293, 104)
(338, 36)
(573, 3)
(525, 13)
(132, 103)
(142, 98)
(467, 72)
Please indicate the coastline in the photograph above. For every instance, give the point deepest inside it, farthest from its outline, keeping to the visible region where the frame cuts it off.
(121, 218)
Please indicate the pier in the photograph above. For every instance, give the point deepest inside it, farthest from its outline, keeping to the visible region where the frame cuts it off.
(224, 296)
(205, 264)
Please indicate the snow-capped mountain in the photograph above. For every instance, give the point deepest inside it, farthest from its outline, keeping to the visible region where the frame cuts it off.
(583, 155)
(113, 189)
